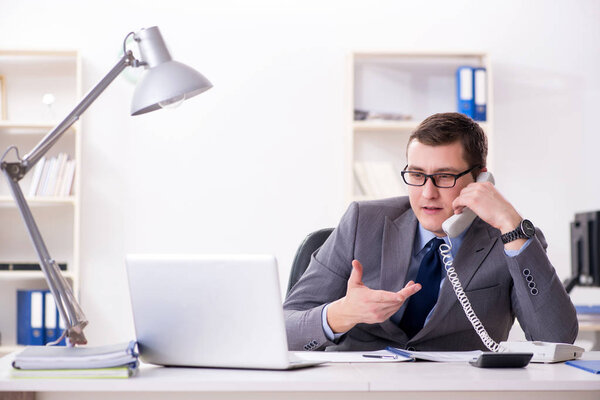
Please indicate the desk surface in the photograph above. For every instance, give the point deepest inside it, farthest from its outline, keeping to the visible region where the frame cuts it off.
(421, 377)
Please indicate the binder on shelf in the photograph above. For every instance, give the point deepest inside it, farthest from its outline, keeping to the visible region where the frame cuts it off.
(61, 328)
(51, 331)
(30, 317)
(480, 94)
(464, 91)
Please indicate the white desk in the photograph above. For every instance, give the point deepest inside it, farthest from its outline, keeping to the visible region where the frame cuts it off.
(409, 380)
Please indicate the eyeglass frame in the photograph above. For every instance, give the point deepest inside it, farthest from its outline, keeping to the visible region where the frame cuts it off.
(432, 177)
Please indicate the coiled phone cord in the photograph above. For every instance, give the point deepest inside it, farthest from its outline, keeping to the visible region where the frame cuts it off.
(463, 299)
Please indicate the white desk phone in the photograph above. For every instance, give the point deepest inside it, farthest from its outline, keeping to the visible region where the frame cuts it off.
(504, 354)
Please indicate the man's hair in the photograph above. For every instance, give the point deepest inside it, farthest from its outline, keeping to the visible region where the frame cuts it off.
(446, 128)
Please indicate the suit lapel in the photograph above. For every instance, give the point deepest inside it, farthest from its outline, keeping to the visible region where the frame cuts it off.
(396, 251)
(475, 247)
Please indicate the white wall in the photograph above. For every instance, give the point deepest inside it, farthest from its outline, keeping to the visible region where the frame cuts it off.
(256, 163)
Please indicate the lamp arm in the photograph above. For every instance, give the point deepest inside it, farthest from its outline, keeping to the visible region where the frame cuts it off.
(67, 305)
(31, 158)
(68, 308)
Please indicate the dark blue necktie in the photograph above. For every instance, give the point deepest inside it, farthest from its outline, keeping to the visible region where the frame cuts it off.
(420, 304)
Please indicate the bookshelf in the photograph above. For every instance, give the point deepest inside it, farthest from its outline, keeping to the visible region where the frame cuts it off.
(408, 85)
(29, 76)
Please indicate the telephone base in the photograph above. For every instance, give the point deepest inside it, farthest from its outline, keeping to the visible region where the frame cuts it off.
(543, 352)
(502, 360)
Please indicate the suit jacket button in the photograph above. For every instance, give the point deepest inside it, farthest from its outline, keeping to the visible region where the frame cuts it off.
(410, 348)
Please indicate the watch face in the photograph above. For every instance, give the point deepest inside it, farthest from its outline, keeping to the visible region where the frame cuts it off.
(528, 228)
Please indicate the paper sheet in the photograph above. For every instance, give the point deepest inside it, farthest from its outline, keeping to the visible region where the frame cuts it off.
(351, 356)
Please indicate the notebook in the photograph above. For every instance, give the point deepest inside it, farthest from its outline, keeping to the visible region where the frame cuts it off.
(209, 311)
(592, 366)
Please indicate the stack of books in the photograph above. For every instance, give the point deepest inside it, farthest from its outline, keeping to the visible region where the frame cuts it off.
(53, 177)
(378, 179)
(112, 361)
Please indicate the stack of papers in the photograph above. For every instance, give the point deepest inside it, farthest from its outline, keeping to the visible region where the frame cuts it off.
(351, 356)
(389, 355)
(124, 371)
(112, 361)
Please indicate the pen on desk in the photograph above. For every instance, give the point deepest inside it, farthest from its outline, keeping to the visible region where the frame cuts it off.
(380, 356)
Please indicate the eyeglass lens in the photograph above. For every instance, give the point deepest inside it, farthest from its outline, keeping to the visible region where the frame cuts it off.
(439, 180)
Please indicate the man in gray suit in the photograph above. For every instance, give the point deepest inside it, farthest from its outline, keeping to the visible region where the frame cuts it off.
(359, 291)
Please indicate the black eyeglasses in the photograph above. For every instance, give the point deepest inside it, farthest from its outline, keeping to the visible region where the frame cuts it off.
(440, 179)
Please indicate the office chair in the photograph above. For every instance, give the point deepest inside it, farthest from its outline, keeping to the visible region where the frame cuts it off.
(311, 243)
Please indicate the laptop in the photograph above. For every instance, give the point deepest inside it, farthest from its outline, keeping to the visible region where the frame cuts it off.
(209, 311)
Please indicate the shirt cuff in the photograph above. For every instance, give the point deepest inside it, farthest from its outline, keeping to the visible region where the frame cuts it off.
(514, 253)
(327, 329)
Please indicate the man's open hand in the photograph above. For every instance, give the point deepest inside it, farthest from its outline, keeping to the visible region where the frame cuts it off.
(364, 305)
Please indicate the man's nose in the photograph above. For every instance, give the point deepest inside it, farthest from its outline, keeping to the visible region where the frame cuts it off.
(430, 191)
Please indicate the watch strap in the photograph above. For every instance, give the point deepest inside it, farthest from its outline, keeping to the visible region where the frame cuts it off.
(513, 235)
(517, 233)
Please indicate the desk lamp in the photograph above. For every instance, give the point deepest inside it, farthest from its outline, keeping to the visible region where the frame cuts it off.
(164, 83)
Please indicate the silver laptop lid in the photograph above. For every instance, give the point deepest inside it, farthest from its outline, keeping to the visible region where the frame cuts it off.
(208, 310)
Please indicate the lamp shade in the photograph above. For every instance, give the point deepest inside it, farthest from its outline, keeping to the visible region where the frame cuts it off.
(165, 83)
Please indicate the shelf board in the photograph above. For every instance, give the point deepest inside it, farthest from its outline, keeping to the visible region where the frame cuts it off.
(416, 58)
(417, 53)
(37, 53)
(28, 127)
(20, 275)
(384, 126)
(393, 126)
(39, 201)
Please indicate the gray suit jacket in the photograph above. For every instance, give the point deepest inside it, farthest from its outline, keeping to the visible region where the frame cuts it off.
(380, 234)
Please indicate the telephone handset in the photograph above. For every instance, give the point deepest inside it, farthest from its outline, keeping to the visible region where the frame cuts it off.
(542, 351)
(457, 223)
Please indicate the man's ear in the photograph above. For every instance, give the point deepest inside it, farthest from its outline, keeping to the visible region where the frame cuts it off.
(484, 169)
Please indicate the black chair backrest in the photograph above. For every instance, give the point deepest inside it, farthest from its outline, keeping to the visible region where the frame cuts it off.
(311, 243)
